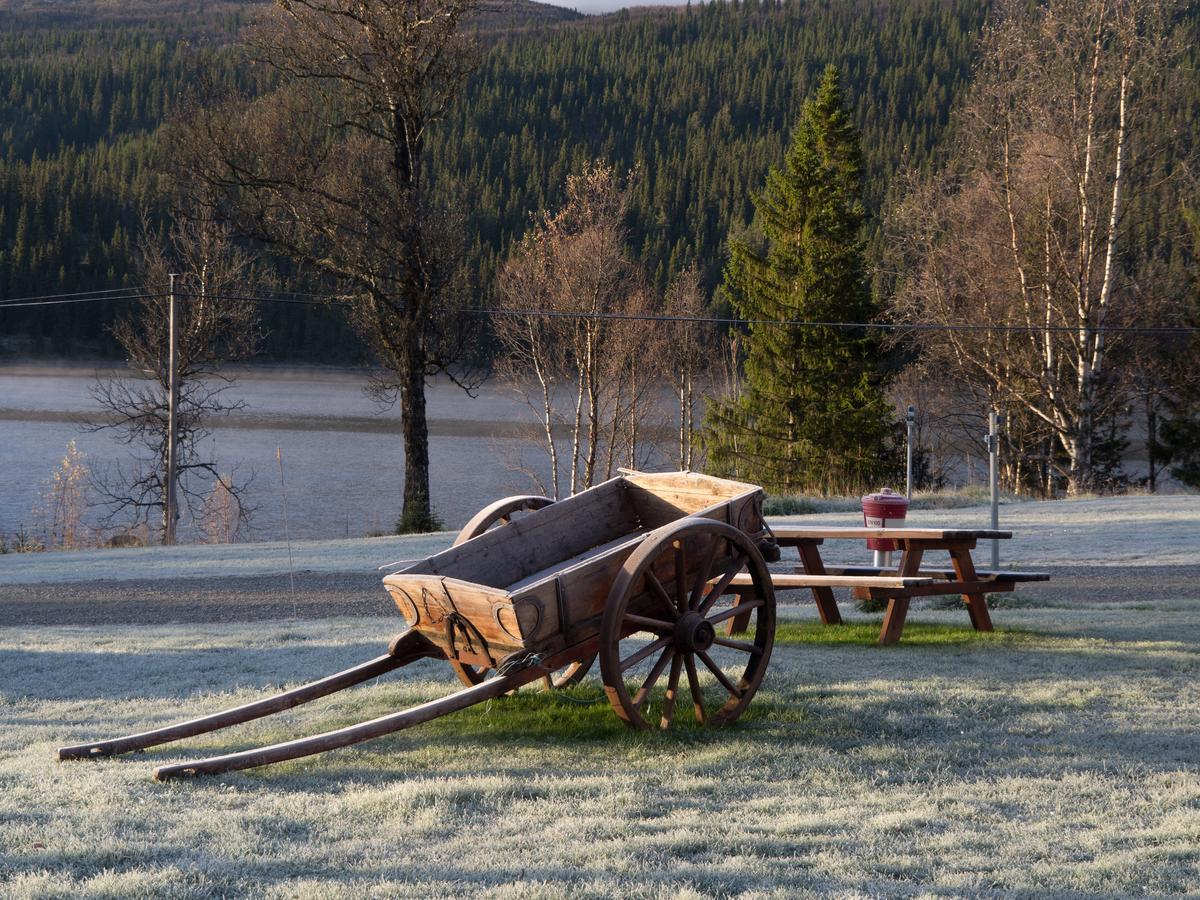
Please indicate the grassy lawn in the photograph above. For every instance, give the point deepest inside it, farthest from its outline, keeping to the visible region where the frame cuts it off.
(1058, 755)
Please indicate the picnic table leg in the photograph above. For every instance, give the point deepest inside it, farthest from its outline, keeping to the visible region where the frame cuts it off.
(823, 596)
(897, 610)
(964, 570)
(739, 623)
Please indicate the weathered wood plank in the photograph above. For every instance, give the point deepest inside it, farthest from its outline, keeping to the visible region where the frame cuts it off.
(540, 540)
(942, 574)
(791, 532)
(940, 588)
(812, 564)
(388, 724)
(784, 582)
(406, 648)
(897, 608)
(976, 602)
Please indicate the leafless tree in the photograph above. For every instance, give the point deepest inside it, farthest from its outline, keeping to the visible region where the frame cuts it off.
(1024, 238)
(331, 170)
(215, 324)
(688, 355)
(585, 374)
(64, 503)
(223, 513)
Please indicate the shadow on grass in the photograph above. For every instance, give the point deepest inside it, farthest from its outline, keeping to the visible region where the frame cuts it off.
(37, 674)
(825, 710)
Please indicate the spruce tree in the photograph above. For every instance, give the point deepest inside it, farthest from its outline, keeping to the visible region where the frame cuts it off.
(811, 414)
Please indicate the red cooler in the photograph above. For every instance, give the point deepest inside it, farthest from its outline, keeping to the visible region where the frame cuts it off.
(885, 509)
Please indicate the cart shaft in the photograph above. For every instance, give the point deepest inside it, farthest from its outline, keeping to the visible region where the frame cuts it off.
(407, 648)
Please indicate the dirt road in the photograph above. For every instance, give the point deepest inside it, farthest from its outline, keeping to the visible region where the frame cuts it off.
(325, 595)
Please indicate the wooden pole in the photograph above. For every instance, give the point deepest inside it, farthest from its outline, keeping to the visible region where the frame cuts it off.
(407, 648)
(353, 734)
(911, 419)
(993, 442)
(170, 508)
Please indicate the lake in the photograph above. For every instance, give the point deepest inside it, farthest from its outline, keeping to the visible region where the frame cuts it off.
(343, 456)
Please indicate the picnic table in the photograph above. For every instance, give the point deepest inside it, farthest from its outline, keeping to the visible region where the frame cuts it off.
(899, 585)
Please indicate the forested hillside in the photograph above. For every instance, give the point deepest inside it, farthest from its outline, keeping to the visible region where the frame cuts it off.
(700, 99)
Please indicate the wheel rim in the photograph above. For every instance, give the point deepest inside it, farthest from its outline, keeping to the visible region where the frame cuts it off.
(500, 513)
(568, 675)
(663, 635)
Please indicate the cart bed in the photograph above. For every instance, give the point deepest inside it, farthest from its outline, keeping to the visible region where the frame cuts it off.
(540, 582)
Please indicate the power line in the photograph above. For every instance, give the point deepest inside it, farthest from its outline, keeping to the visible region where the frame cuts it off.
(120, 290)
(312, 299)
(76, 300)
(804, 323)
(798, 323)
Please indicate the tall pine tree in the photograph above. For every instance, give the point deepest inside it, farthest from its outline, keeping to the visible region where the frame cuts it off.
(811, 415)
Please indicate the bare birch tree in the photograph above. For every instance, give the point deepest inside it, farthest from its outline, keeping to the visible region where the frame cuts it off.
(584, 373)
(64, 502)
(331, 170)
(687, 354)
(214, 325)
(1025, 237)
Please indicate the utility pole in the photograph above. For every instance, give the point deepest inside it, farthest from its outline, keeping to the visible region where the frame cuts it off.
(171, 511)
(993, 445)
(908, 466)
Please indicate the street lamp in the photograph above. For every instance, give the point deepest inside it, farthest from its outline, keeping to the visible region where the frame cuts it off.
(908, 467)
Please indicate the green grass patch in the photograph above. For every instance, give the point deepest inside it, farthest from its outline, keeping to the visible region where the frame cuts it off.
(568, 716)
(579, 716)
(916, 634)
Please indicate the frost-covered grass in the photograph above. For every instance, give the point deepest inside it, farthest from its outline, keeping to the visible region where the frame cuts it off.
(1059, 755)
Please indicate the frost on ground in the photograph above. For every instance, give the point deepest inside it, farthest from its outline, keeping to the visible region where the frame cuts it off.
(218, 560)
(1124, 531)
(1059, 755)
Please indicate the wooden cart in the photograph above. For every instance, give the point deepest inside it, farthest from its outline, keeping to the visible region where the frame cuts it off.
(634, 571)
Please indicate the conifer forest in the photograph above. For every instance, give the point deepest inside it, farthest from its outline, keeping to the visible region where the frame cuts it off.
(698, 103)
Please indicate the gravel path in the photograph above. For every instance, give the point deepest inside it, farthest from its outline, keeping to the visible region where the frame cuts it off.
(1099, 552)
(327, 595)
(217, 599)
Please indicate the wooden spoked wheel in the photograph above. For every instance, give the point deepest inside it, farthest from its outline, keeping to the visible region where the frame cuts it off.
(499, 514)
(663, 630)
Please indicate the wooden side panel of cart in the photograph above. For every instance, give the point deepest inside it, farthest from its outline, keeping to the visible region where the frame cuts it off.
(540, 583)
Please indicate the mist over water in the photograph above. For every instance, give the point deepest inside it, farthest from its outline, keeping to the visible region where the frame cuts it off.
(597, 7)
(343, 456)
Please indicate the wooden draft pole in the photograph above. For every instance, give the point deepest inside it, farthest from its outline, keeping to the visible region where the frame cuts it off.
(170, 503)
(405, 648)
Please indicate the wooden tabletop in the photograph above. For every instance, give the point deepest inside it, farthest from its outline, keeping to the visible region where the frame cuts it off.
(786, 533)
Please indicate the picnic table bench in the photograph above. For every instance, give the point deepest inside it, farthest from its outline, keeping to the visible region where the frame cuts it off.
(897, 586)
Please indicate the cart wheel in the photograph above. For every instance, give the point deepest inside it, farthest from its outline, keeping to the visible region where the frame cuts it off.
(502, 511)
(672, 588)
(569, 674)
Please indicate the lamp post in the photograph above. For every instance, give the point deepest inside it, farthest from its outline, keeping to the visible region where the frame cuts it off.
(992, 439)
(908, 466)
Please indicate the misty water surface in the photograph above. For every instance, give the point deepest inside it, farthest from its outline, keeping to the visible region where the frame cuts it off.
(343, 457)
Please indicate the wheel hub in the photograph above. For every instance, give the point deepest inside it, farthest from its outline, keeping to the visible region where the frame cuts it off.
(694, 633)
